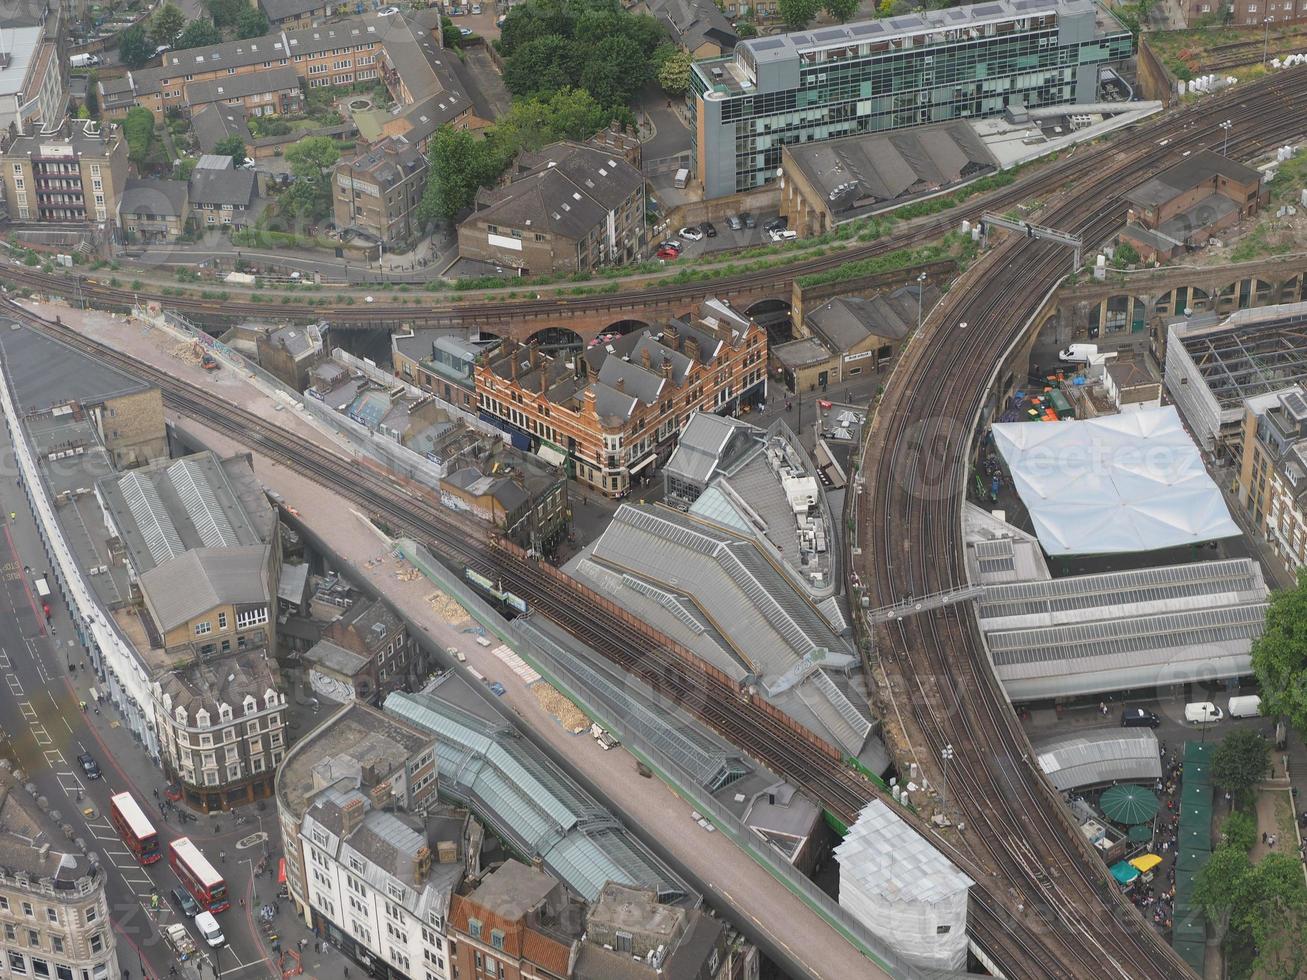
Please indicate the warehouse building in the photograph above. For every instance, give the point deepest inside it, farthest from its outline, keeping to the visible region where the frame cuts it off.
(925, 67)
(1114, 631)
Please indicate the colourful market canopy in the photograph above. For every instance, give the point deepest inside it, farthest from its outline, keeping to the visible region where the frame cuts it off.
(1128, 804)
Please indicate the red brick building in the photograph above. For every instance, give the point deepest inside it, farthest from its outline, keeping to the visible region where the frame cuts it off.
(615, 416)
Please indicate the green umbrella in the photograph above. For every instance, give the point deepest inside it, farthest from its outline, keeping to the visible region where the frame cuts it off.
(1128, 804)
(1141, 833)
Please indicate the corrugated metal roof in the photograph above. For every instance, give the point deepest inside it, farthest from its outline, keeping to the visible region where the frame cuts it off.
(526, 797)
(1101, 755)
(184, 587)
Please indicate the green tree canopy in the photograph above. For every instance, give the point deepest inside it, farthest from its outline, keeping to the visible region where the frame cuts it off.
(1280, 655)
(797, 14)
(841, 10)
(92, 96)
(1223, 885)
(198, 34)
(226, 13)
(567, 114)
(1239, 831)
(312, 156)
(674, 72)
(231, 146)
(1241, 762)
(252, 22)
(542, 65)
(167, 24)
(134, 47)
(308, 198)
(746, 29)
(461, 163)
(138, 129)
(1261, 905)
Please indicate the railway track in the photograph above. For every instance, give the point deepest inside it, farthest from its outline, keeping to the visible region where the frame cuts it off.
(917, 464)
(1036, 914)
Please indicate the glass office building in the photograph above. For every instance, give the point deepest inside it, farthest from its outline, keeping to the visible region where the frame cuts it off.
(886, 74)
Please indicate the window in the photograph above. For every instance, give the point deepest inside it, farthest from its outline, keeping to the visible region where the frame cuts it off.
(52, 914)
(10, 934)
(497, 938)
(355, 864)
(4, 903)
(33, 938)
(251, 617)
(40, 967)
(222, 620)
(942, 930)
(202, 628)
(56, 944)
(65, 972)
(17, 963)
(27, 908)
(474, 929)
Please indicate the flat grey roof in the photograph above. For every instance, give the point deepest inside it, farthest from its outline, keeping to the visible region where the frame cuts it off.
(44, 372)
(1100, 755)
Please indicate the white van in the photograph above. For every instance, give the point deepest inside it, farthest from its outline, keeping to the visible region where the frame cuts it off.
(1246, 706)
(1200, 712)
(682, 177)
(83, 60)
(209, 929)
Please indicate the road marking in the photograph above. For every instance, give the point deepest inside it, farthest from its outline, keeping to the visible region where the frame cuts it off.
(251, 840)
(54, 758)
(27, 711)
(41, 735)
(15, 688)
(4, 660)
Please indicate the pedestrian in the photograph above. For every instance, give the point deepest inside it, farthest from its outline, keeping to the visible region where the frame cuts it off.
(222, 857)
(1263, 837)
(242, 903)
(156, 792)
(276, 908)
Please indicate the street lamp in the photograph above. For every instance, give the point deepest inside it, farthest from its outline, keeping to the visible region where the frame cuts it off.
(1266, 37)
(921, 290)
(945, 754)
(1225, 146)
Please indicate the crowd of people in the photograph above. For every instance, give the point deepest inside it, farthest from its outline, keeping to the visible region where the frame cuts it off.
(1154, 897)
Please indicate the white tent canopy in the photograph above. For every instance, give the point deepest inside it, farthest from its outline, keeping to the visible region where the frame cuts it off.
(1114, 484)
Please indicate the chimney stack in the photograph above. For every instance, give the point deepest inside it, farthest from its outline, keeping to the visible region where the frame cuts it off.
(620, 384)
(667, 368)
(544, 383)
(672, 336)
(692, 348)
(645, 357)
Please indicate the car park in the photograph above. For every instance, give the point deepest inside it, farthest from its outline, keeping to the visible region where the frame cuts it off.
(690, 234)
(1139, 718)
(709, 229)
(734, 222)
(776, 224)
(187, 905)
(749, 220)
(89, 765)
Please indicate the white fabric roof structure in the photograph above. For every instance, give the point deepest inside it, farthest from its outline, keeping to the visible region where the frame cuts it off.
(1116, 484)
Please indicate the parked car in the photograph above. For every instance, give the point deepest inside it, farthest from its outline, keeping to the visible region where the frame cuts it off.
(187, 905)
(734, 222)
(1139, 718)
(690, 234)
(669, 253)
(783, 235)
(671, 243)
(776, 224)
(749, 220)
(709, 229)
(476, 8)
(465, 31)
(89, 765)
(387, 11)
(497, 689)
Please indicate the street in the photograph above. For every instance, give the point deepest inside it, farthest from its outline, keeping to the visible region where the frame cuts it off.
(46, 676)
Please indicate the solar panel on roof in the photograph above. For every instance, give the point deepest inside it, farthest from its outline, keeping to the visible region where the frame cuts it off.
(835, 34)
(768, 44)
(863, 30)
(987, 10)
(954, 14)
(1295, 404)
(898, 23)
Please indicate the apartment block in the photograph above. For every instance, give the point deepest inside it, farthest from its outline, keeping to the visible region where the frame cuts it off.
(1273, 471)
(1253, 13)
(53, 905)
(440, 362)
(273, 92)
(373, 631)
(615, 415)
(925, 67)
(33, 79)
(74, 174)
(378, 191)
(575, 209)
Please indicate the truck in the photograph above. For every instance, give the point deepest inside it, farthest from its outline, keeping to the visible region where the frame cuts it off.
(180, 940)
(605, 739)
(83, 60)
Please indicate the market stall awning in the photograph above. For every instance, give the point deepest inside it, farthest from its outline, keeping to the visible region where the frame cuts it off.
(1141, 832)
(1124, 873)
(1146, 862)
(1128, 804)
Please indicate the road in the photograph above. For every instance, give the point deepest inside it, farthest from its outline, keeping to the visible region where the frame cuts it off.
(39, 709)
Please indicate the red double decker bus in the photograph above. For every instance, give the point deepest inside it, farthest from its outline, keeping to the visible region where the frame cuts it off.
(199, 876)
(134, 828)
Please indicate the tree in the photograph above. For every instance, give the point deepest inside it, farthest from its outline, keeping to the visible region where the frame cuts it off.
(226, 13)
(841, 10)
(460, 165)
(797, 14)
(138, 129)
(1239, 831)
(542, 65)
(93, 96)
(1240, 763)
(252, 22)
(167, 24)
(312, 156)
(231, 146)
(568, 114)
(1280, 655)
(134, 48)
(613, 70)
(674, 73)
(198, 34)
(1222, 886)
(746, 29)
